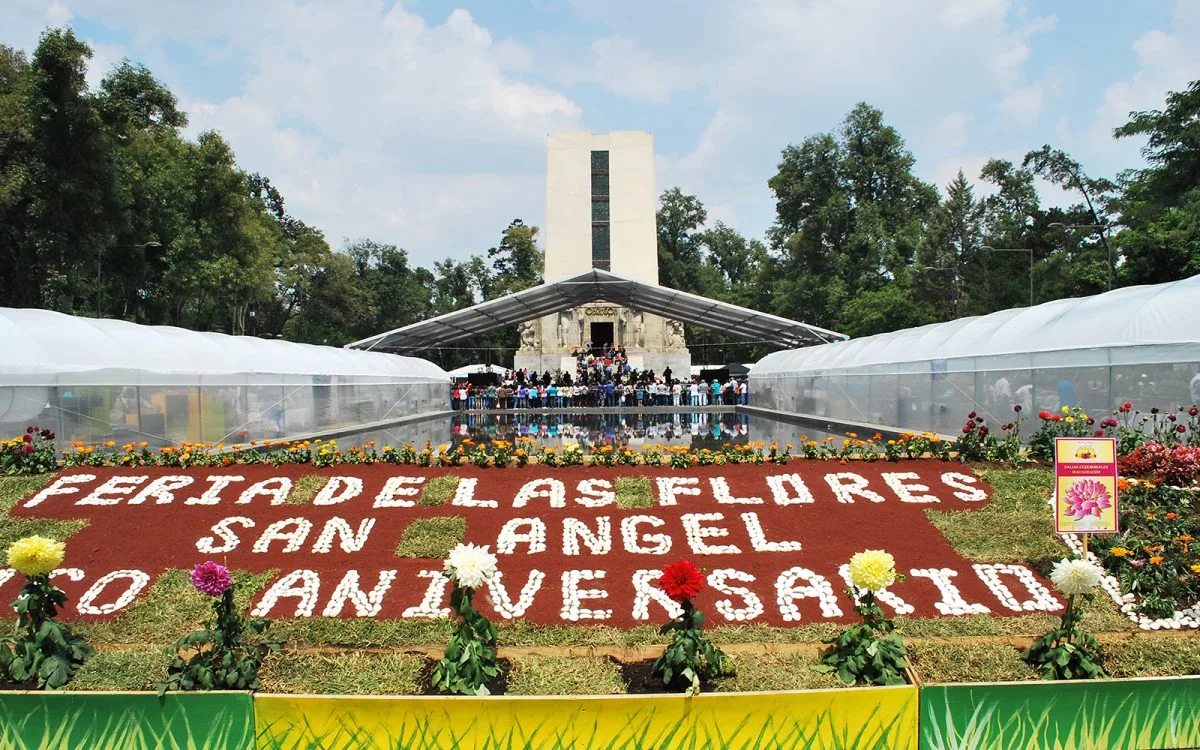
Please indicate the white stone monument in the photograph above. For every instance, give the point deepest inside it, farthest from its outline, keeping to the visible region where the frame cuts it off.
(600, 213)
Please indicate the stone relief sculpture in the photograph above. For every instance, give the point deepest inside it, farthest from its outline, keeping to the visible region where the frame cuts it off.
(633, 327)
(527, 332)
(566, 328)
(674, 334)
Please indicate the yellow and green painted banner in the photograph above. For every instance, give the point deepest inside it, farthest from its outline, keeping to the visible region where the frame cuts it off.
(851, 718)
(119, 721)
(1109, 714)
(1159, 713)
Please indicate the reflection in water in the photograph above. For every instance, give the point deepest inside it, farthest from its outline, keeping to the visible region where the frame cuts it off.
(698, 429)
(593, 429)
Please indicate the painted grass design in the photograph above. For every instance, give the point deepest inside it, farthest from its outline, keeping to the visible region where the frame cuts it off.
(821, 721)
(110, 721)
(1113, 715)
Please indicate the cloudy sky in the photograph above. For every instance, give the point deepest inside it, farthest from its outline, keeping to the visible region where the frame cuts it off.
(423, 123)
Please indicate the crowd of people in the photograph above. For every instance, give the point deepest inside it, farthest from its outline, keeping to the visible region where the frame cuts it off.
(601, 379)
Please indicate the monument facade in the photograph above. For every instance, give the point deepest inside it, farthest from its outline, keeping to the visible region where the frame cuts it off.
(600, 213)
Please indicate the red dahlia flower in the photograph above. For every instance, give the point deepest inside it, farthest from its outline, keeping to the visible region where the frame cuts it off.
(682, 580)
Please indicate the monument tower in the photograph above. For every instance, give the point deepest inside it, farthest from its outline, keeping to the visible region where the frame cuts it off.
(600, 213)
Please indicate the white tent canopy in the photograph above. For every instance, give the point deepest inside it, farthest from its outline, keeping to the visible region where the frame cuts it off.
(95, 379)
(465, 370)
(1137, 343)
(592, 286)
(38, 344)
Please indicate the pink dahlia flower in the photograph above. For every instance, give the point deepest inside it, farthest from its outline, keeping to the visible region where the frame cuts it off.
(1087, 498)
(211, 578)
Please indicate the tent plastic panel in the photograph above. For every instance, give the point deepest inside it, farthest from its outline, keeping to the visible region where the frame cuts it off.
(96, 379)
(1139, 344)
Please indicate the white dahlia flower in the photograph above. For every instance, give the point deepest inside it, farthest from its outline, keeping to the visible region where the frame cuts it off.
(471, 566)
(1076, 576)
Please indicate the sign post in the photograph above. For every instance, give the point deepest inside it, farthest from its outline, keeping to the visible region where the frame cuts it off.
(1085, 487)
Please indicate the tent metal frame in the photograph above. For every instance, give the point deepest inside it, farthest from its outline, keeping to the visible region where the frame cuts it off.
(593, 286)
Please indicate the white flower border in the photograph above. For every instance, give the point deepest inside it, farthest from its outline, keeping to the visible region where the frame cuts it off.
(1185, 619)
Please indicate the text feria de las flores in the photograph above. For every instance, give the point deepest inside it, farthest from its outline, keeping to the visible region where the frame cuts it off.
(773, 540)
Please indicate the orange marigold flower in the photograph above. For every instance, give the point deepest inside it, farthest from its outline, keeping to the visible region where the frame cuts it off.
(1184, 538)
(1122, 484)
(1172, 516)
(1156, 560)
(1154, 548)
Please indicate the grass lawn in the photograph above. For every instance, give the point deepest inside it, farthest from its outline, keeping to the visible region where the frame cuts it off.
(1014, 527)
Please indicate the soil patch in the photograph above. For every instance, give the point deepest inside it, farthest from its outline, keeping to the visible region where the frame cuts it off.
(640, 679)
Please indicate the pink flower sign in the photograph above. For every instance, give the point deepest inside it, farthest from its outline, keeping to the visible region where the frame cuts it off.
(1085, 486)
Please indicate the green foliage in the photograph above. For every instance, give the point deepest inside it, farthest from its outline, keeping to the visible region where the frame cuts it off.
(867, 652)
(633, 492)
(882, 310)
(1067, 653)
(221, 656)
(439, 490)
(432, 537)
(1160, 205)
(470, 658)
(305, 489)
(689, 657)
(849, 215)
(42, 649)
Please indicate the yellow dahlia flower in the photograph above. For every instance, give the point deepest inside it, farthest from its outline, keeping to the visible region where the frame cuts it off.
(873, 570)
(35, 555)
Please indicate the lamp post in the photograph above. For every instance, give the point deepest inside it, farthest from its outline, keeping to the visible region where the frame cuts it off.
(991, 249)
(100, 256)
(1103, 238)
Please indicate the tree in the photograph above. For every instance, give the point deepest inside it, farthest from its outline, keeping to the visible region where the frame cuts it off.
(680, 218)
(948, 257)
(517, 261)
(849, 216)
(886, 309)
(1059, 168)
(399, 294)
(21, 281)
(132, 99)
(333, 305)
(1160, 207)
(71, 180)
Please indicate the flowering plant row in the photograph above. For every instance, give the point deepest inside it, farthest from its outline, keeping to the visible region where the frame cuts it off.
(1130, 427)
(1155, 557)
(977, 444)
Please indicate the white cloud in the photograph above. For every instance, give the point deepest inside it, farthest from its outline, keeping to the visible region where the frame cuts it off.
(622, 67)
(1167, 61)
(430, 133)
(1024, 105)
(389, 127)
(57, 14)
(951, 132)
